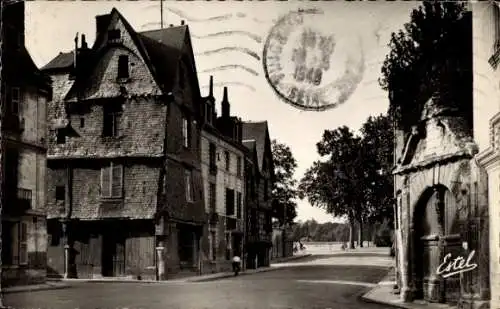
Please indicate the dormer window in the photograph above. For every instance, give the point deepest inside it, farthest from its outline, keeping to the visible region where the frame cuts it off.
(114, 35)
(123, 70)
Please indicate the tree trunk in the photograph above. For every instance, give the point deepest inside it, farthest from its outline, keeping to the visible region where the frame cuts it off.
(360, 234)
(351, 234)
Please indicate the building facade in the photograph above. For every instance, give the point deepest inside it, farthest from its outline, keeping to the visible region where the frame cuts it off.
(441, 201)
(486, 29)
(25, 93)
(125, 195)
(223, 157)
(259, 175)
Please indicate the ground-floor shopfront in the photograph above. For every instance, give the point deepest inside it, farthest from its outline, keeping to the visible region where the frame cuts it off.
(120, 248)
(24, 248)
(258, 254)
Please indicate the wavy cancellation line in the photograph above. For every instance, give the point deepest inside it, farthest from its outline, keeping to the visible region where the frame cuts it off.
(255, 37)
(235, 84)
(231, 67)
(224, 17)
(228, 49)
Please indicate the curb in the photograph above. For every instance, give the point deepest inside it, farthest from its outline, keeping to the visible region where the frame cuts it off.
(27, 288)
(230, 275)
(366, 296)
(372, 301)
(119, 281)
(291, 258)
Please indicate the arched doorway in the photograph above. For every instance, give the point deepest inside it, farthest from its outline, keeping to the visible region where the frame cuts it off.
(428, 231)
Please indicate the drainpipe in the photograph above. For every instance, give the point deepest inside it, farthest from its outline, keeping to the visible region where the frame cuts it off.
(66, 223)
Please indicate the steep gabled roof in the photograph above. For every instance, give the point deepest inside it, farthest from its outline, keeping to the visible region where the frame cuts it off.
(257, 132)
(63, 61)
(19, 67)
(161, 50)
(166, 47)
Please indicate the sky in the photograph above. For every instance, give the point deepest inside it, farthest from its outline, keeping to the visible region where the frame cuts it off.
(228, 40)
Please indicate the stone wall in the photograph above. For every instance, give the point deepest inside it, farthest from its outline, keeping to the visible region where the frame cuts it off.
(140, 181)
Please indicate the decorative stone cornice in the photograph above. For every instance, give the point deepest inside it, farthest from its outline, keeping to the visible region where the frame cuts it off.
(444, 159)
(490, 157)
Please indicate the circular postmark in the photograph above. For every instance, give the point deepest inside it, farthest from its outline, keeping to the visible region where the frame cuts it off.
(309, 66)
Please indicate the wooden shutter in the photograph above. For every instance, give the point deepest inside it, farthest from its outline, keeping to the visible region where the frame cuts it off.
(116, 180)
(15, 243)
(23, 243)
(189, 186)
(106, 181)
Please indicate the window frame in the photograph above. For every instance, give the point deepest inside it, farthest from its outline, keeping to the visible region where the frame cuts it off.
(111, 166)
(231, 200)
(212, 199)
(23, 243)
(186, 132)
(227, 158)
(188, 180)
(239, 166)
(114, 31)
(212, 156)
(15, 104)
(113, 115)
(63, 188)
(239, 205)
(123, 70)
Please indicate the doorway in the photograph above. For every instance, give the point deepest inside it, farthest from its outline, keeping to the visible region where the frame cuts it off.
(429, 229)
(113, 255)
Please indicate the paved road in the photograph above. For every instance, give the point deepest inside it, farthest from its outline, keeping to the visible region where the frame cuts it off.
(321, 282)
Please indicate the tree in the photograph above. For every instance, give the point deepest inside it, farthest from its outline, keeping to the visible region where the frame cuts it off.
(432, 56)
(284, 189)
(378, 135)
(334, 184)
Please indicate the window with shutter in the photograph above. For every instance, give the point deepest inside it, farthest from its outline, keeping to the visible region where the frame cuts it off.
(229, 202)
(212, 198)
(117, 180)
(23, 243)
(112, 181)
(186, 132)
(15, 244)
(238, 205)
(189, 186)
(106, 181)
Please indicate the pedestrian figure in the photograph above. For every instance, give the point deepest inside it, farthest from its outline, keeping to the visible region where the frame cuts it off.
(236, 264)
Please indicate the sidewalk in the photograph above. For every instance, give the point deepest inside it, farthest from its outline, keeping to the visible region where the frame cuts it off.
(274, 266)
(383, 294)
(66, 283)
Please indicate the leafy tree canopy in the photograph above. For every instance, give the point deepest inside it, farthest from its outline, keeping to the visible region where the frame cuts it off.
(354, 178)
(431, 56)
(284, 189)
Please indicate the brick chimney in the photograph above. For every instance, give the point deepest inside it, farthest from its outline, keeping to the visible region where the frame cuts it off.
(84, 45)
(225, 106)
(211, 88)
